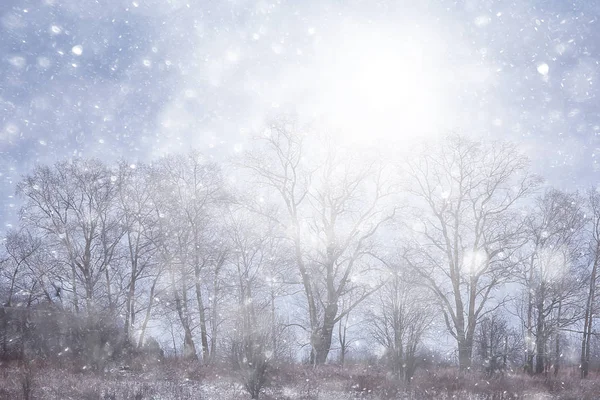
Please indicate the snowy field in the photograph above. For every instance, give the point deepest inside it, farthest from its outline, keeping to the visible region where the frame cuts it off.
(298, 383)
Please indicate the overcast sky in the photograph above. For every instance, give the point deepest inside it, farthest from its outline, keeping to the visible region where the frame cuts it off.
(136, 79)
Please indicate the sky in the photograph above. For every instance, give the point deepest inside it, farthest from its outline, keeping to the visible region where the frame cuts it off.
(137, 79)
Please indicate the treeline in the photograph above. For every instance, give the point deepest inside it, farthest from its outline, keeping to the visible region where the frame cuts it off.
(294, 247)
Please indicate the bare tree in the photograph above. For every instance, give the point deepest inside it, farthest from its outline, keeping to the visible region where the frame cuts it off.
(551, 275)
(467, 227)
(191, 188)
(593, 253)
(345, 326)
(72, 204)
(331, 212)
(21, 286)
(399, 315)
(254, 248)
(135, 203)
(17, 268)
(173, 248)
(498, 344)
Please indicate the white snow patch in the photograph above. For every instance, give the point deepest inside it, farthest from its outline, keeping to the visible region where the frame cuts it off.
(77, 50)
(17, 61)
(482, 20)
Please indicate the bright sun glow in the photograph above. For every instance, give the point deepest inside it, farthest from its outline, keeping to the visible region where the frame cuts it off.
(385, 85)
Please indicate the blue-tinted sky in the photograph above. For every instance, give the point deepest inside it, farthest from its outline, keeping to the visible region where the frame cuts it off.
(136, 79)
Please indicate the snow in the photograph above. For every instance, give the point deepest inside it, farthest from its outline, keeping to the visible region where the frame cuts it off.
(483, 20)
(17, 61)
(543, 69)
(77, 50)
(138, 79)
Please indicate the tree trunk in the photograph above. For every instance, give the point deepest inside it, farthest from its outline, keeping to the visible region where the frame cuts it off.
(111, 306)
(4, 315)
(342, 330)
(215, 314)
(587, 328)
(540, 342)
(410, 361)
(308, 291)
(181, 305)
(465, 351)
(74, 286)
(148, 313)
(322, 342)
(398, 347)
(202, 315)
(557, 341)
(529, 354)
(129, 310)
(189, 348)
(273, 324)
(529, 350)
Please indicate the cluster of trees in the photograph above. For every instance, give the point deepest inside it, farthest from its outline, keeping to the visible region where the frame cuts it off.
(282, 251)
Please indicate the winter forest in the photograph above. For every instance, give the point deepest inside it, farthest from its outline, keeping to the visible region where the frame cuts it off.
(299, 201)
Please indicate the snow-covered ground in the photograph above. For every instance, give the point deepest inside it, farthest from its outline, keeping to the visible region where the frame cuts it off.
(327, 383)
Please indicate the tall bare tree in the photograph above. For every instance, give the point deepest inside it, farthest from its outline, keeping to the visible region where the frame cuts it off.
(593, 254)
(20, 286)
(134, 200)
(467, 227)
(18, 267)
(551, 275)
(399, 315)
(331, 206)
(191, 188)
(254, 248)
(72, 204)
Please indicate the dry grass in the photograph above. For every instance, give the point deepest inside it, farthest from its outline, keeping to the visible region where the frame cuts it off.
(172, 380)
